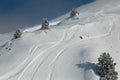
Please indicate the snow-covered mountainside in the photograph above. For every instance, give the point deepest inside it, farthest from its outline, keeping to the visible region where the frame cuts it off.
(60, 53)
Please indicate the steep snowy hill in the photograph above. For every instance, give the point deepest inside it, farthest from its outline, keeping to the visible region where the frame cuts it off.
(60, 53)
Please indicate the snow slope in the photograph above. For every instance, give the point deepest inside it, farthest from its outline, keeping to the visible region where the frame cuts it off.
(60, 53)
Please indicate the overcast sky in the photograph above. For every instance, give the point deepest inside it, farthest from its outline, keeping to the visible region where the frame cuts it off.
(26, 13)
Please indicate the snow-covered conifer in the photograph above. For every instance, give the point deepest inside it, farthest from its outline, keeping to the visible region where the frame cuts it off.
(17, 34)
(45, 24)
(106, 67)
(73, 12)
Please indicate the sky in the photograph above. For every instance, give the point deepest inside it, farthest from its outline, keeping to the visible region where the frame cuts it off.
(16, 14)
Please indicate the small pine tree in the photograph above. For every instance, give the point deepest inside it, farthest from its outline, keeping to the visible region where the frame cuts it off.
(106, 67)
(73, 13)
(17, 34)
(45, 24)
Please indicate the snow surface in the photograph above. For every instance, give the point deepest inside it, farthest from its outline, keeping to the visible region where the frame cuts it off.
(60, 53)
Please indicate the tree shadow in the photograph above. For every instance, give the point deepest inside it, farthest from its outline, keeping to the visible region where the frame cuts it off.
(88, 66)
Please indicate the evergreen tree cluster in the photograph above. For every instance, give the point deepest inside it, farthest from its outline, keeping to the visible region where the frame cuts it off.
(106, 67)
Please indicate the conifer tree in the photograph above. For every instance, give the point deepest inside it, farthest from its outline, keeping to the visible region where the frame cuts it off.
(106, 67)
(73, 12)
(17, 34)
(45, 24)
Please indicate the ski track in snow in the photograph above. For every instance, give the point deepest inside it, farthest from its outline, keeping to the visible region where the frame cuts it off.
(20, 67)
(52, 64)
(49, 54)
(46, 50)
(56, 58)
(14, 72)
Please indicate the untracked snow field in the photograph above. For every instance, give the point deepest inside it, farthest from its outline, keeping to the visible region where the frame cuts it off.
(68, 50)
